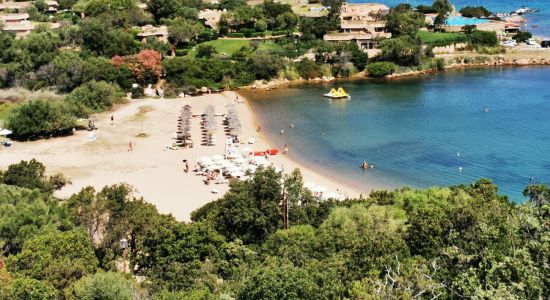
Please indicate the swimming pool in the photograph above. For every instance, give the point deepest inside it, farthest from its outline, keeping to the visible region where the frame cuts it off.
(462, 21)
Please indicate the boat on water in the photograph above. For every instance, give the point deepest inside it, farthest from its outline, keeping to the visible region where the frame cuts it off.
(524, 10)
(337, 94)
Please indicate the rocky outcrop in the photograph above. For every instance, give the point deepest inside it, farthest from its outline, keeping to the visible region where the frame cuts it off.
(274, 83)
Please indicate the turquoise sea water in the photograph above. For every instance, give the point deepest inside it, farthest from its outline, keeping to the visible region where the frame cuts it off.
(420, 131)
(538, 23)
(462, 21)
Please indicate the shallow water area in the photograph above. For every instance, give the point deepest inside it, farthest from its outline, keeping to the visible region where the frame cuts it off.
(443, 129)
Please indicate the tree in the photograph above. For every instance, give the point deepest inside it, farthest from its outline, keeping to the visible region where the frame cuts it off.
(288, 21)
(522, 36)
(425, 9)
(179, 256)
(474, 12)
(66, 71)
(308, 69)
(41, 5)
(442, 6)
(297, 244)
(403, 50)
(439, 21)
(94, 8)
(25, 288)
(59, 258)
(40, 118)
(42, 46)
(231, 4)
(250, 210)
(260, 25)
(316, 28)
(468, 29)
(403, 21)
(170, 9)
(265, 65)
(279, 280)
(31, 175)
(358, 57)
(105, 286)
(93, 96)
(26, 213)
(146, 65)
(408, 279)
(483, 38)
(205, 50)
(539, 194)
(181, 31)
(102, 39)
(66, 4)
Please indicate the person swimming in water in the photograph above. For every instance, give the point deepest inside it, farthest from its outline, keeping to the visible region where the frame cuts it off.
(364, 165)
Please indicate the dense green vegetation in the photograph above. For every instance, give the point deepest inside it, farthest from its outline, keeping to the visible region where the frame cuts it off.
(475, 12)
(463, 241)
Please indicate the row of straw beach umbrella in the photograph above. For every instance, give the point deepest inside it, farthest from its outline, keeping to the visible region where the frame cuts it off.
(184, 123)
(208, 124)
(233, 122)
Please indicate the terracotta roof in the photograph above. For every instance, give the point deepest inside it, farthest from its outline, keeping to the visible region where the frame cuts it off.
(13, 17)
(23, 26)
(15, 5)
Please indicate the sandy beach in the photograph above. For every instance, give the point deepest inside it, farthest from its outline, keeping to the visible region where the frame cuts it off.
(155, 172)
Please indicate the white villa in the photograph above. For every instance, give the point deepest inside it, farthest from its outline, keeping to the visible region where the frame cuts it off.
(362, 22)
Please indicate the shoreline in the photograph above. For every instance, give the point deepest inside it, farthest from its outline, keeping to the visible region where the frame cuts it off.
(351, 190)
(518, 58)
(102, 157)
(309, 173)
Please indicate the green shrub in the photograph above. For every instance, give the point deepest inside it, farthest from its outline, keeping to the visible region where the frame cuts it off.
(278, 32)
(474, 12)
(308, 69)
(485, 38)
(257, 34)
(235, 35)
(181, 52)
(93, 96)
(522, 36)
(103, 286)
(31, 175)
(440, 64)
(247, 31)
(40, 118)
(381, 69)
(205, 50)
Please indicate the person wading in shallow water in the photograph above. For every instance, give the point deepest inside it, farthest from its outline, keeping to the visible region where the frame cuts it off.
(364, 166)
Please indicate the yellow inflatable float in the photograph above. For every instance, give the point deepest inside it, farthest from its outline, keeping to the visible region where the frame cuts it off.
(337, 94)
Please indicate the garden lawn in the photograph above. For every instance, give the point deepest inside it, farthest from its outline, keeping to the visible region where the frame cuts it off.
(270, 46)
(429, 37)
(224, 46)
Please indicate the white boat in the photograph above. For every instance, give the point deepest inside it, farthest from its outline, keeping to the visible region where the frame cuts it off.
(337, 94)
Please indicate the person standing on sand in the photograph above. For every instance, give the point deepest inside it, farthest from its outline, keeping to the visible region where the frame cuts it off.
(186, 166)
(285, 151)
(112, 119)
(130, 148)
(259, 127)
